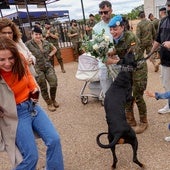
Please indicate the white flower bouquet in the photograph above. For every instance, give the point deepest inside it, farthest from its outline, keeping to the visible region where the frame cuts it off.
(99, 46)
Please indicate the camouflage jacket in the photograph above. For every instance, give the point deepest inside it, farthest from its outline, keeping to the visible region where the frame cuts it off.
(73, 30)
(129, 43)
(90, 23)
(50, 39)
(155, 23)
(145, 31)
(42, 56)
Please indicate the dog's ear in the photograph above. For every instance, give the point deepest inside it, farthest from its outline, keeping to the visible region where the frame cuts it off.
(129, 59)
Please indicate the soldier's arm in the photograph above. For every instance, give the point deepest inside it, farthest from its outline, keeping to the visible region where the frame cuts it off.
(70, 34)
(54, 34)
(153, 32)
(138, 31)
(53, 51)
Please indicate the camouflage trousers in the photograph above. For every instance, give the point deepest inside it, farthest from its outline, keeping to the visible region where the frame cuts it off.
(138, 88)
(47, 75)
(146, 48)
(76, 48)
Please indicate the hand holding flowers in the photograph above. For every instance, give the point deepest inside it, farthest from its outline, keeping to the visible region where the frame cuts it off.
(99, 46)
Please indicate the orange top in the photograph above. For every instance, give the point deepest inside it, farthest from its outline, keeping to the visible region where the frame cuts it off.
(22, 88)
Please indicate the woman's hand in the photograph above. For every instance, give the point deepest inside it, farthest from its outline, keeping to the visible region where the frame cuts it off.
(112, 60)
(34, 95)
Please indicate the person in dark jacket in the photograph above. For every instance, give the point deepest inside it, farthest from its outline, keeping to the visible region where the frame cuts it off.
(163, 36)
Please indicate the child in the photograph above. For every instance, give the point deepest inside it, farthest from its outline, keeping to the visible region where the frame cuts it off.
(158, 96)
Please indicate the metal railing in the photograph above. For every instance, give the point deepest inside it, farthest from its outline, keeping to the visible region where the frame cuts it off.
(62, 29)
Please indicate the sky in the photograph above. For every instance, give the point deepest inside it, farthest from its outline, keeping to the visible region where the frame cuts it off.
(90, 6)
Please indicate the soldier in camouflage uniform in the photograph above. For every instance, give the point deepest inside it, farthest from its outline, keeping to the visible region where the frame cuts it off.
(154, 21)
(43, 51)
(89, 25)
(51, 35)
(75, 36)
(155, 56)
(126, 42)
(146, 33)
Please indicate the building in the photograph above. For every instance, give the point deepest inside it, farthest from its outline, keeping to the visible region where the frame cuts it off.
(153, 6)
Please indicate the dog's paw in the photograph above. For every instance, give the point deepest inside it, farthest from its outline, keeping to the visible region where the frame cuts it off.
(143, 167)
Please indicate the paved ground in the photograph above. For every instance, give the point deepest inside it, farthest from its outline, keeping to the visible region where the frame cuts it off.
(79, 125)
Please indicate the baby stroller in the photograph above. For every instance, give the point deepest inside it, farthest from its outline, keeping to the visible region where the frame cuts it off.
(88, 71)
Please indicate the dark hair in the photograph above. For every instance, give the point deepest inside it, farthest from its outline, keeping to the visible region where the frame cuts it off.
(5, 22)
(141, 14)
(150, 15)
(37, 29)
(72, 21)
(126, 24)
(18, 68)
(91, 15)
(105, 3)
(47, 22)
(162, 9)
(37, 23)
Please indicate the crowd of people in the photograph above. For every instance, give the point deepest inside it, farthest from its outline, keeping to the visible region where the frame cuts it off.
(26, 68)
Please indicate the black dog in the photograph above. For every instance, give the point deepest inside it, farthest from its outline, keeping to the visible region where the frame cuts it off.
(119, 131)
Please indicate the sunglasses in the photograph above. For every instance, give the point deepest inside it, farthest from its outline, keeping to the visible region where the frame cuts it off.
(103, 12)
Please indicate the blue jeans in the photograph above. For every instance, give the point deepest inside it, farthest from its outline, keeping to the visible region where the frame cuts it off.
(37, 121)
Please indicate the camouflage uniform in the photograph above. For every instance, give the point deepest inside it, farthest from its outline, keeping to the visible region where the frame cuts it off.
(130, 42)
(155, 23)
(75, 40)
(146, 33)
(44, 69)
(156, 55)
(90, 24)
(54, 41)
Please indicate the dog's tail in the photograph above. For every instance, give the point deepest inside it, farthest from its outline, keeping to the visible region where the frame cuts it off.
(110, 145)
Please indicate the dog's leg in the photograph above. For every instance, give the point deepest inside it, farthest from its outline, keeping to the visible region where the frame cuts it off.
(134, 145)
(113, 152)
(114, 158)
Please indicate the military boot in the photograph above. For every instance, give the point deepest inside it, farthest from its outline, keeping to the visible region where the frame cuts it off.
(142, 125)
(62, 67)
(130, 118)
(55, 104)
(50, 106)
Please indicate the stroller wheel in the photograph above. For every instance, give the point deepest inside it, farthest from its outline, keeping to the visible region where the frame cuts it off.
(84, 99)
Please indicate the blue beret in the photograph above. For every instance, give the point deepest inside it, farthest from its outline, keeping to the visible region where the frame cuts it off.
(115, 21)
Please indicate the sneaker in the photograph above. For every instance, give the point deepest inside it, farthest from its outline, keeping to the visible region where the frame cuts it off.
(164, 110)
(167, 138)
(51, 108)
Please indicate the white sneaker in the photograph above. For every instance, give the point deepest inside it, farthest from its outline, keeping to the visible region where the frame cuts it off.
(164, 110)
(167, 138)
